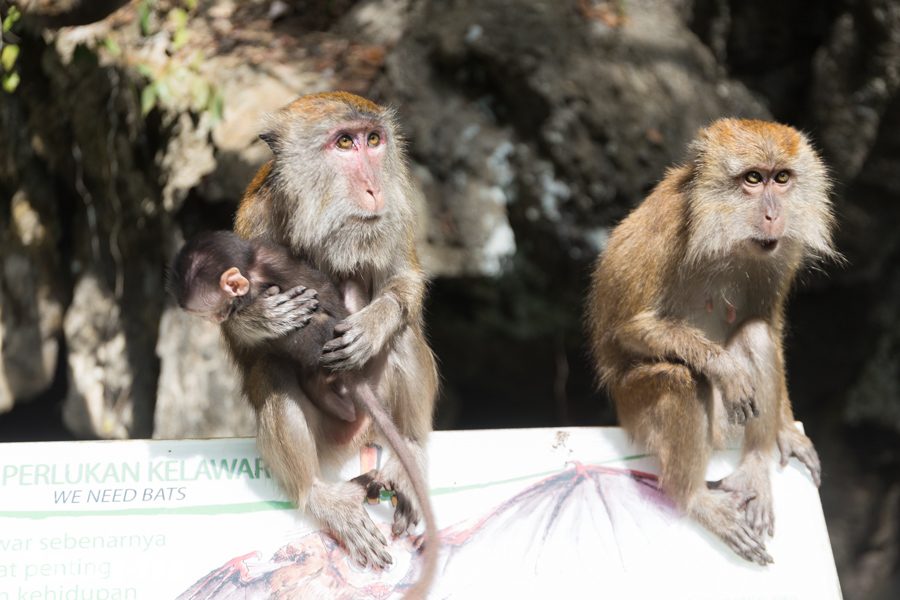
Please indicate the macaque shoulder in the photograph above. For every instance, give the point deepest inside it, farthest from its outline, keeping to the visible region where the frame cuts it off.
(642, 255)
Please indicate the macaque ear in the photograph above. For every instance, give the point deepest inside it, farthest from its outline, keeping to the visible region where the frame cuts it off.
(233, 283)
(270, 137)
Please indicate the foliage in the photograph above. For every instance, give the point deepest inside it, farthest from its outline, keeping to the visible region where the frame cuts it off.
(178, 80)
(9, 53)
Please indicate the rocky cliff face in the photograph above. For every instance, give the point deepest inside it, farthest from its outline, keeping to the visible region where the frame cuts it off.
(534, 125)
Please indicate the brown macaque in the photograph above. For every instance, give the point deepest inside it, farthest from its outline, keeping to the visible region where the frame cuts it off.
(686, 318)
(338, 192)
(222, 277)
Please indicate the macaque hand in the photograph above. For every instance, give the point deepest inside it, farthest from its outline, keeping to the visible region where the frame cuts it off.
(284, 312)
(736, 385)
(362, 335)
(793, 443)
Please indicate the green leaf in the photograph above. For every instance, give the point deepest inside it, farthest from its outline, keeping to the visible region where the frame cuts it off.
(180, 39)
(178, 17)
(200, 92)
(11, 82)
(148, 99)
(8, 57)
(163, 91)
(144, 14)
(146, 71)
(112, 46)
(11, 17)
(217, 106)
(190, 4)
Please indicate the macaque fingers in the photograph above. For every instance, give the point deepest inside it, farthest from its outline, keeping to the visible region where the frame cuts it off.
(747, 544)
(761, 516)
(739, 412)
(792, 443)
(350, 351)
(371, 482)
(406, 513)
(299, 299)
(365, 544)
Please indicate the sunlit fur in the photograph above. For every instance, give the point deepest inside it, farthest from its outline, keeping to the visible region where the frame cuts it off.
(686, 318)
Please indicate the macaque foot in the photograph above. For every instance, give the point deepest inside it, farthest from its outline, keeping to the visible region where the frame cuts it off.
(371, 482)
(407, 512)
(722, 512)
(343, 515)
(406, 508)
(752, 482)
(793, 443)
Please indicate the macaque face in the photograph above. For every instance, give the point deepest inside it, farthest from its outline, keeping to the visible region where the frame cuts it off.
(767, 190)
(211, 305)
(344, 192)
(357, 153)
(758, 190)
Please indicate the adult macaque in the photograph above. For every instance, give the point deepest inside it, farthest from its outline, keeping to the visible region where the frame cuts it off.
(338, 192)
(224, 278)
(686, 317)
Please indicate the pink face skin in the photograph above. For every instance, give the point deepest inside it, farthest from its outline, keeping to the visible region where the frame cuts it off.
(767, 187)
(359, 152)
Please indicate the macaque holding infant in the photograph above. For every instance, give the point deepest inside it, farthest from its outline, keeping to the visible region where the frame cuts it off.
(338, 192)
(226, 279)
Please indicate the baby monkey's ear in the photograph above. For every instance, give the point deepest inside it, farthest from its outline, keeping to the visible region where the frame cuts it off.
(233, 283)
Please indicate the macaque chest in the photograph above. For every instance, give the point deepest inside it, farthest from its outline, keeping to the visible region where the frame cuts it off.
(357, 293)
(717, 309)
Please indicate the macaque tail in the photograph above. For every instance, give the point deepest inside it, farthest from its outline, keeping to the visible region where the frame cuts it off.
(366, 398)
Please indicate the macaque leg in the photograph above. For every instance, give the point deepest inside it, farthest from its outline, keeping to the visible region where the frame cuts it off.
(287, 442)
(411, 373)
(665, 407)
(755, 349)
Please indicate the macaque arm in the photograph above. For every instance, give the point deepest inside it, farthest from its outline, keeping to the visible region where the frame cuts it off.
(652, 336)
(406, 288)
(365, 333)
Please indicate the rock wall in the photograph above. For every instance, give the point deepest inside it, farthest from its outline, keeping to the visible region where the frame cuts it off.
(534, 126)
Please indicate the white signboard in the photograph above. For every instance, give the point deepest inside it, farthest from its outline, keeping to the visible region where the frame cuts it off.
(531, 513)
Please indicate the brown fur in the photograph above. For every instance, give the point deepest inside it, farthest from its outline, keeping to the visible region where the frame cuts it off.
(301, 200)
(686, 317)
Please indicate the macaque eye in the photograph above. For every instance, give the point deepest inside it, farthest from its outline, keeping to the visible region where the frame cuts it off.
(753, 177)
(345, 142)
(782, 177)
(374, 139)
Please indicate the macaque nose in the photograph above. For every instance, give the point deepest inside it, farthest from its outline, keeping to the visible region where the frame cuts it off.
(373, 200)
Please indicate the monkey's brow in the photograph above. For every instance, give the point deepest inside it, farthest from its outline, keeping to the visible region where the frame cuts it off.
(358, 124)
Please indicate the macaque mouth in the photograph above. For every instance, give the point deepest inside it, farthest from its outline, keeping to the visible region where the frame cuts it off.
(766, 244)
